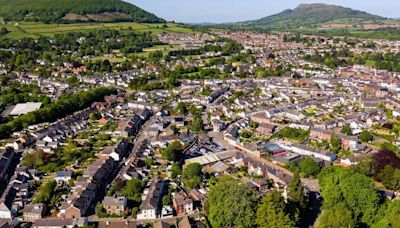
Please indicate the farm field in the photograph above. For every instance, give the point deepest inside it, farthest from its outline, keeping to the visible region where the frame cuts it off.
(35, 29)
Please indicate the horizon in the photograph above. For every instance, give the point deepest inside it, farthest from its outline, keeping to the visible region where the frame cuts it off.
(212, 11)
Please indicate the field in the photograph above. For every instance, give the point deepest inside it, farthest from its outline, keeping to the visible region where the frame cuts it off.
(35, 29)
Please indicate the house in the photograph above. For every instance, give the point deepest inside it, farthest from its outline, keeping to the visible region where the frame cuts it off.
(183, 204)
(63, 177)
(348, 161)
(266, 129)
(117, 224)
(59, 223)
(115, 205)
(33, 212)
(151, 200)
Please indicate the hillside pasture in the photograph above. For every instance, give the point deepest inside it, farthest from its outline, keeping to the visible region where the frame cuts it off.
(36, 29)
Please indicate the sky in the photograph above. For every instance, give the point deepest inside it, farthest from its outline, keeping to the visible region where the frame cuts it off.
(219, 11)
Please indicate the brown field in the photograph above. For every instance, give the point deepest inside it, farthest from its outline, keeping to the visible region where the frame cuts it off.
(106, 16)
(336, 26)
(377, 26)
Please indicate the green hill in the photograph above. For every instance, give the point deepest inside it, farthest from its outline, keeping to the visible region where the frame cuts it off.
(310, 15)
(63, 11)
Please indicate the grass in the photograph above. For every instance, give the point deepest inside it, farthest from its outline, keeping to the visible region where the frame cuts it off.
(112, 60)
(36, 29)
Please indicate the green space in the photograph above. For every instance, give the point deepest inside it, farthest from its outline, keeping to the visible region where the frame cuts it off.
(36, 29)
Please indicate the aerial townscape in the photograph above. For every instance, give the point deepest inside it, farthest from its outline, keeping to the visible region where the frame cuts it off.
(111, 116)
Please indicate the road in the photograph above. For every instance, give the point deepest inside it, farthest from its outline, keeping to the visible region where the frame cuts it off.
(140, 138)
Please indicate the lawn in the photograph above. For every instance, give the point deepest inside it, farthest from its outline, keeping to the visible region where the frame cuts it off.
(112, 60)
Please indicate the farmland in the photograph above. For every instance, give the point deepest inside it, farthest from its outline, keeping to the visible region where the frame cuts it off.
(35, 29)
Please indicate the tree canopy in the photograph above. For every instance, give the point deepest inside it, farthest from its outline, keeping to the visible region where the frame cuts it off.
(308, 167)
(272, 212)
(231, 204)
(356, 191)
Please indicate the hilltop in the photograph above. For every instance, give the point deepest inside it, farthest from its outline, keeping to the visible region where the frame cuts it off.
(311, 15)
(65, 11)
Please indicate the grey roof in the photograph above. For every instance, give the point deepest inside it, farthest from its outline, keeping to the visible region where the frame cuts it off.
(24, 108)
(114, 201)
(34, 208)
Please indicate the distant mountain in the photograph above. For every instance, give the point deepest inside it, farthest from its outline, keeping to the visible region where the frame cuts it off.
(311, 15)
(56, 11)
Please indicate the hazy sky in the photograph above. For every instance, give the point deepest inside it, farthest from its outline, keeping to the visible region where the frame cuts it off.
(198, 11)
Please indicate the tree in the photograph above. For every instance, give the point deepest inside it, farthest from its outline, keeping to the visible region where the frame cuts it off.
(175, 170)
(133, 189)
(295, 191)
(271, 212)
(173, 151)
(166, 200)
(390, 177)
(181, 108)
(191, 175)
(347, 130)
(390, 216)
(336, 144)
(355, 190)
(384, 158)
(3, 31)
(45, 192)
(337, 216)
(365, 136)
(364, 166)
(196, 126)
(309, 167)
(231, 204)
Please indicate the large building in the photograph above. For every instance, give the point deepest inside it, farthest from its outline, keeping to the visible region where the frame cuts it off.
(24, 108)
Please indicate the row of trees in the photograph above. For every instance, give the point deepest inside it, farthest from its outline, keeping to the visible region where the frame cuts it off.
(65, 105)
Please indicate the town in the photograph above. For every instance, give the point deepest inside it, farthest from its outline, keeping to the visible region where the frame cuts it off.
(153, 136)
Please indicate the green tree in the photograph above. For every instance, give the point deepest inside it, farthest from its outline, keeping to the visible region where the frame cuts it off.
(391, 216)
(336, 144)
(337, 216)
(181, 108)
(309, 167)
(173, 151)
(231, 204)
(191, 175)
(347, 130)
(166, 200)
(272, 213)
(390, 177)
(196, 125)
(355, 190)
(45, 192)
(295, 191)
(133, 189)
(175, 170)
(365, 136)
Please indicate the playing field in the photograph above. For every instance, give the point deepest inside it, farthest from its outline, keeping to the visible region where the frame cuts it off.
(35, 29)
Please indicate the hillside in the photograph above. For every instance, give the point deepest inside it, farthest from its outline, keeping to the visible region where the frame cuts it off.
(65, 11)
(311, 15)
